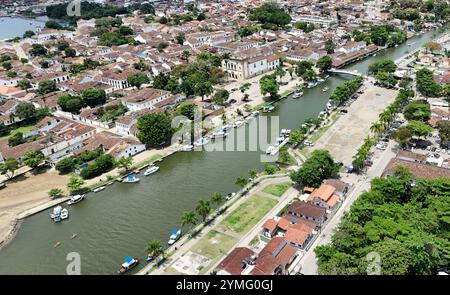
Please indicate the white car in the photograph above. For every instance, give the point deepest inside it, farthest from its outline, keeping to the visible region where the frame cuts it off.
(380, 146)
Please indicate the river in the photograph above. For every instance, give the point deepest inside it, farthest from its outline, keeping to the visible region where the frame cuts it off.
(122, 219)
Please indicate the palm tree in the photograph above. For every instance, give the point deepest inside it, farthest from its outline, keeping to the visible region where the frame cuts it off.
(217, 198)
(253, 173)
(241, 181)
(185, 55)
(386, 117)
(189, 218)
(203, 208)
(154, 248)
(377, 127)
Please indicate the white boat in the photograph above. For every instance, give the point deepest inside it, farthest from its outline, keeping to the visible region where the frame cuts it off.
(227, 127)
(279, 140)
(219, 134)
(151, 169)
(238, 123)
(56, 215)
(130, 179)
(325, 89)
(187, 147)
(270, 149)
(64, 214)
(329, 106)
(98, 189)
(312, 84)
(174, 236)
(268, 109)
(75, 199)
(296, 95)
(255, 113)
(285, 132)
(201, 141)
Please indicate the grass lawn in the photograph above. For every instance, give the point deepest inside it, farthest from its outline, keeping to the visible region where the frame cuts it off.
(277, 189)
(248, 214)
(22, 129)
(213, 246)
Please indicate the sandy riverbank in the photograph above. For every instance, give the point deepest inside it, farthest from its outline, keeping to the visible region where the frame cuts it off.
(23, 193)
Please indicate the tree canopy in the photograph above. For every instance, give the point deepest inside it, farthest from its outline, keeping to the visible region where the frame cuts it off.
(405, 224)
(154, 128)
(270, 15)
(319, 166)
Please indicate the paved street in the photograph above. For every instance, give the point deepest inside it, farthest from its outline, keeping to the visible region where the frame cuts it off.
(380, 160)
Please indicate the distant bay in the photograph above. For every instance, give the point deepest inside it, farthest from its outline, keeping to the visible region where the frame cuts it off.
(11, 27)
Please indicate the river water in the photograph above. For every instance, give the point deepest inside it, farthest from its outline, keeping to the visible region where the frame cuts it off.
(122, 219)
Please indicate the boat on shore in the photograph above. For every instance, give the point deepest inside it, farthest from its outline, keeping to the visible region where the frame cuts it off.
(174, 236)
(128, 264)
(130, 179)
(151, 169)
(75, 199)
(98, 189)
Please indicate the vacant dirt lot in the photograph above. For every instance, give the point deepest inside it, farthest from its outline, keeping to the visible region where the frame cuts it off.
(347, 134)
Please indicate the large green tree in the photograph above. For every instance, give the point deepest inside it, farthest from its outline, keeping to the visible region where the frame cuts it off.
(154, 128)
(319, 166)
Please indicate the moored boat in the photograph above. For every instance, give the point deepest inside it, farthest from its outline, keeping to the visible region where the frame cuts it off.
(56, 215)
(201, 141)
(268, 109)
(98, 189)
(127, 264)
(151, 169)
(174, 236)
(130, 179)
(219, 134)
(64, 214)
(75, 199)
(325, 89)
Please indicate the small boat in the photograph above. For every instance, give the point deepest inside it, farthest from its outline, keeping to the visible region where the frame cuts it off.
(75, 199)
(270, 149)
(64, 214)
(130, 179)
(128, 263)
(188, 147)
(56, 215)
(98, 189)
(285, 132)
(255, 113)
(296, 95)
(201, 141)
(312, 84)
(219, 134)
(151, 169)
(227, 127)
(325, 89)
(150, 258)
(238, 123)
(57, 244)
(268, 109)
(174, 236)
(74, 236)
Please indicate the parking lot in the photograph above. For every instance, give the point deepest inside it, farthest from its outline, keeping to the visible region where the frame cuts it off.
(346, 135)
